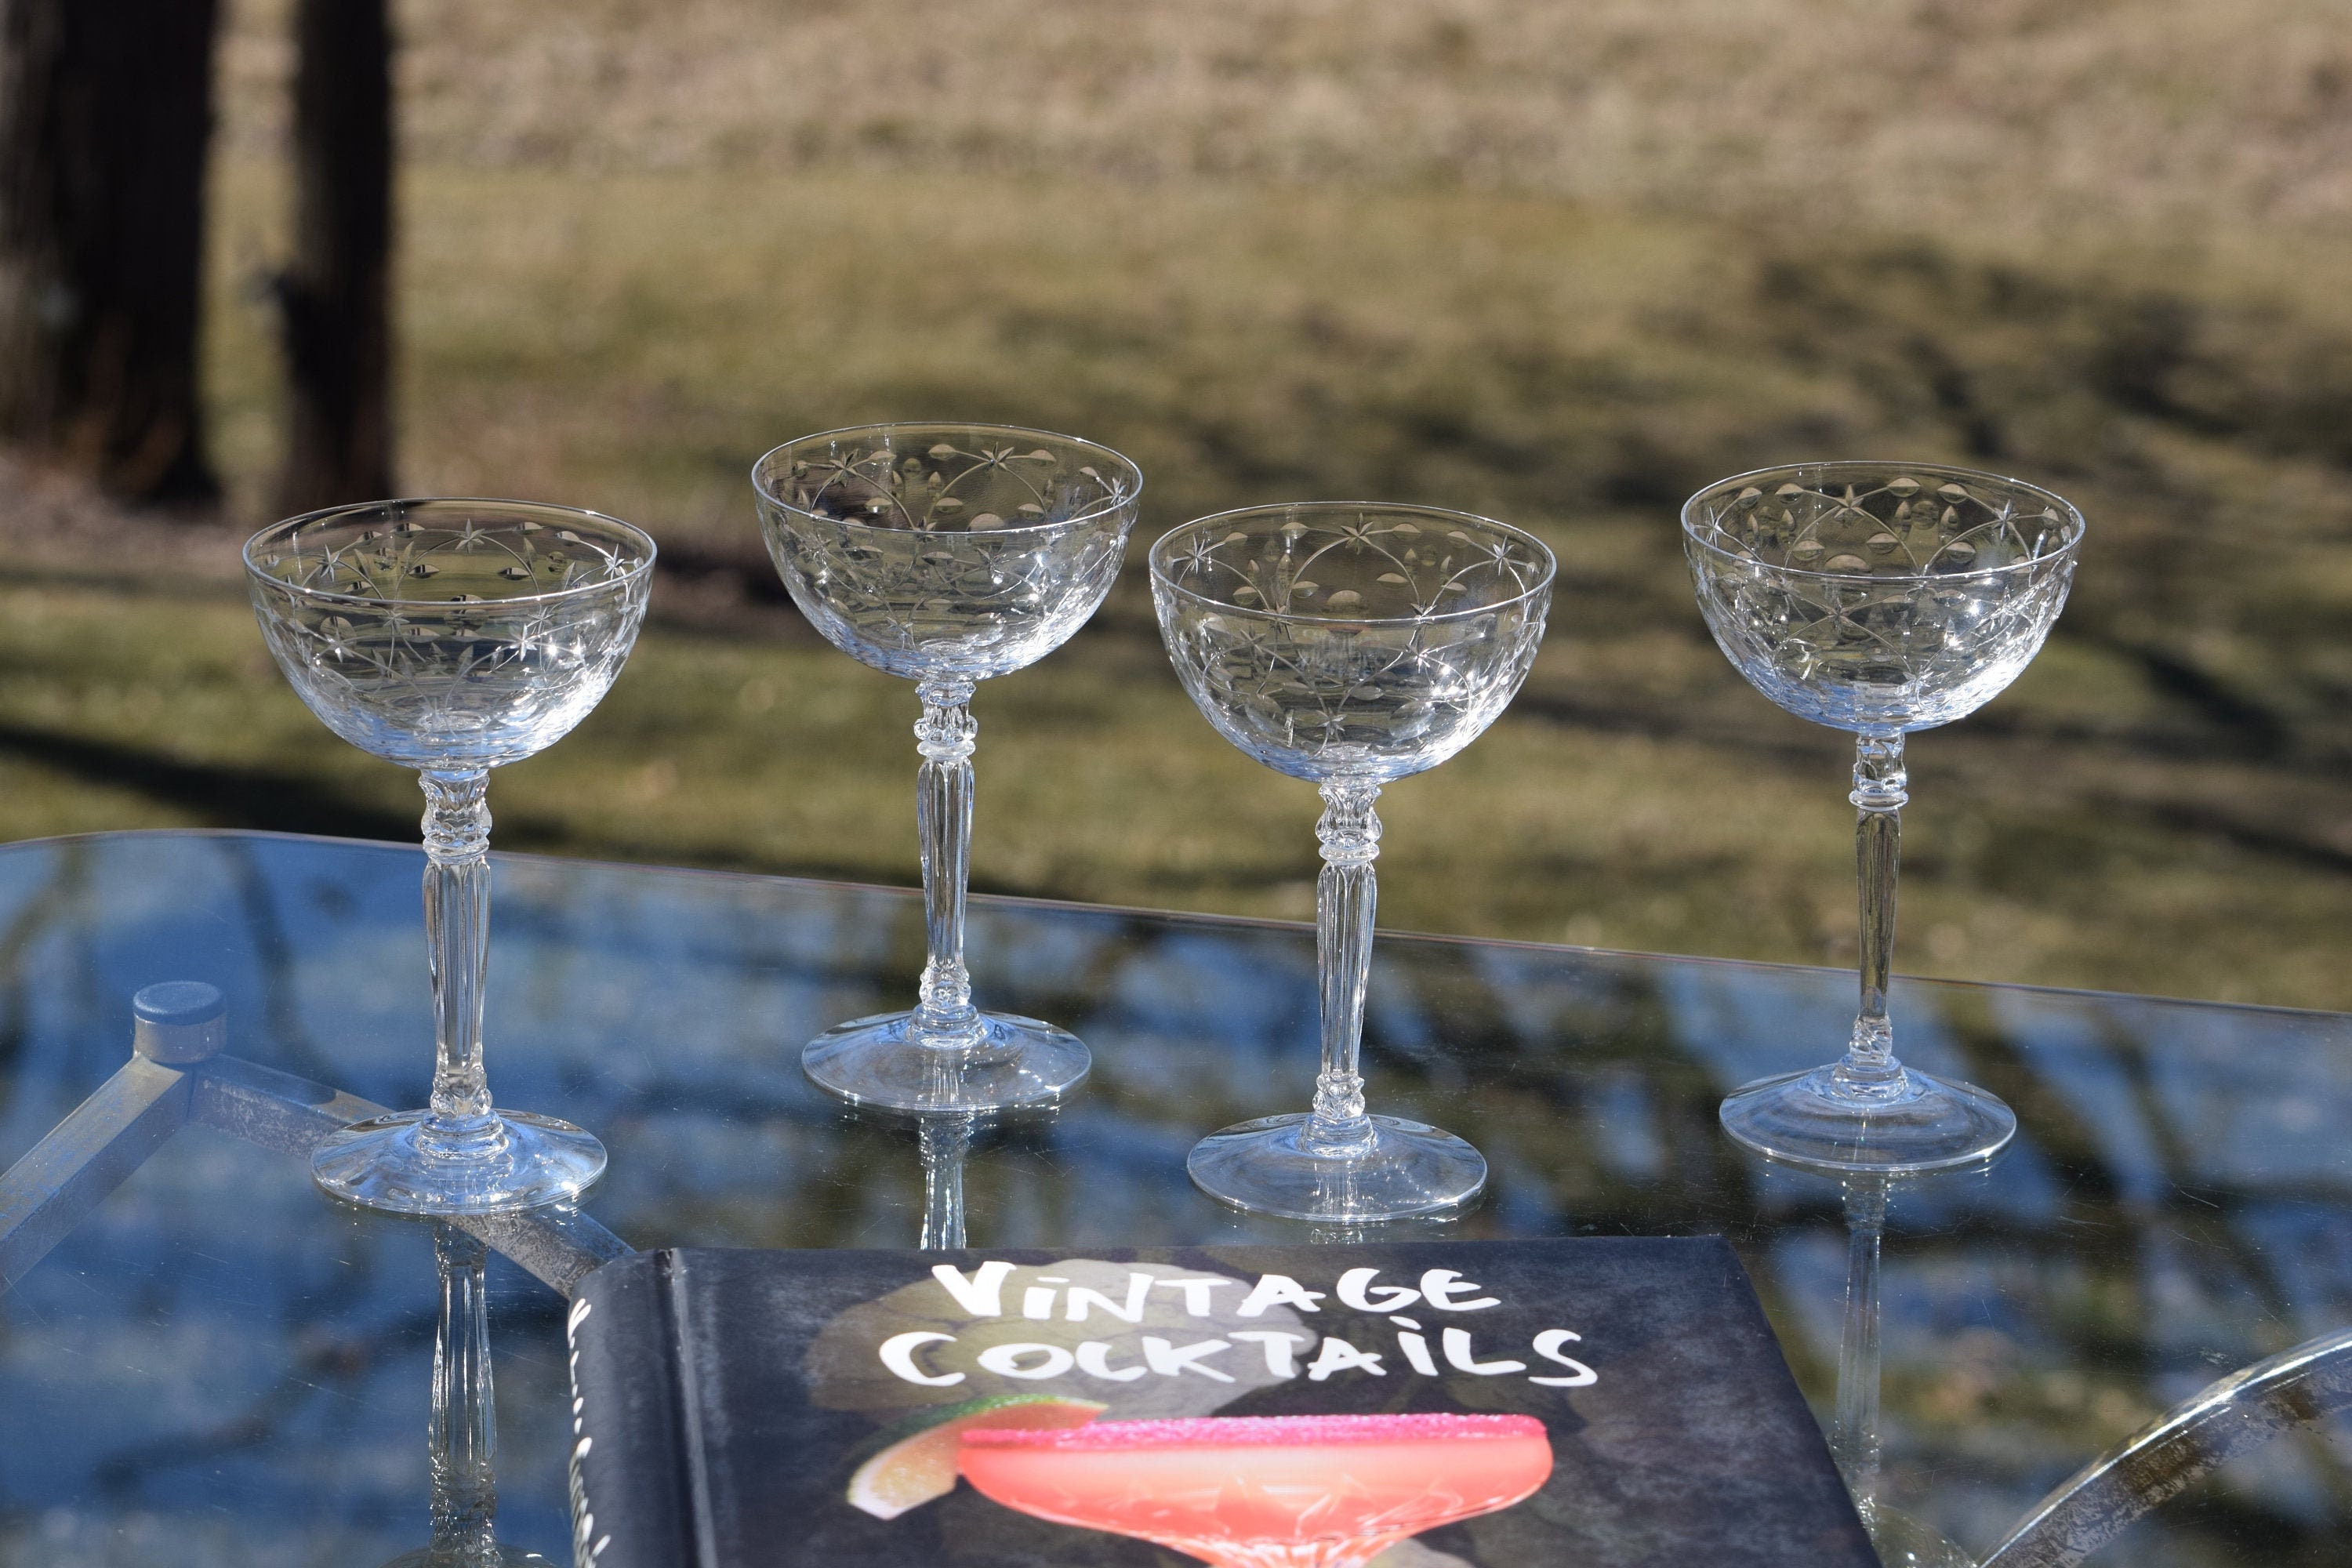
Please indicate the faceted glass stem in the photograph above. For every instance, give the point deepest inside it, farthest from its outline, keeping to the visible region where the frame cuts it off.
(1866, 1111)
(945, 1018)
(1346, 896)
(944, 1054)
(1855, 1439)
(464, 1434)
(458, 1155)
(458, 945)
(1335, 1166)
(1880, 790)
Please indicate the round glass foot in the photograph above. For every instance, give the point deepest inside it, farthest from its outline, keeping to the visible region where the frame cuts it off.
(1809, 1118)
(379, 1165)
(1018, 1061)
(1407, 1168)
(1904, 1542)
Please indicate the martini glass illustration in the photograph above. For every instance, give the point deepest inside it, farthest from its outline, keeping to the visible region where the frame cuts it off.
(1878, 598)
(451, 637)
(945, 553)
(1349, 643)
(1264, 1491)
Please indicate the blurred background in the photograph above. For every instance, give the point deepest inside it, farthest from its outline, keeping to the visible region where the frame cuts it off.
(1558, 264)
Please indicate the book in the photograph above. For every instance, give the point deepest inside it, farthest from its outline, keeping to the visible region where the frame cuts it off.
(1601, 1402)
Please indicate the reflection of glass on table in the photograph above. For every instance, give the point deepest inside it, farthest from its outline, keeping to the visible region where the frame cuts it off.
(462, 1438)
(263, 1384)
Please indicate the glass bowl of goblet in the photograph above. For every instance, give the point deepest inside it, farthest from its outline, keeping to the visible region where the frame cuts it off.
(1349, 644)
(450, 636)
(1878, 598)
(945, 554)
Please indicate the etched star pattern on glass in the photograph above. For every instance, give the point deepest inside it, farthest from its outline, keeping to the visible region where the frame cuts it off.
(1878, 598)
(945, 554)
(1349, 643)
(451, 636)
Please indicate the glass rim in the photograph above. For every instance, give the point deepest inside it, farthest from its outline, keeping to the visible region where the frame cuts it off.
(2069, 514)
(1549, 562)
(760, 486)
(291, 525)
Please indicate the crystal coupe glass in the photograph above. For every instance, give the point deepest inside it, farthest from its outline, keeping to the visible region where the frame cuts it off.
(1349, 643)
(450, 636)
(945, 553)
(1879, 598)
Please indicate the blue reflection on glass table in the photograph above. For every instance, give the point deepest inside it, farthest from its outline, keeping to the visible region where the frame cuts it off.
(221, 1366)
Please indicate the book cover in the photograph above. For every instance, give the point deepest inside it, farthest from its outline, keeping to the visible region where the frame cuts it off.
(1421, 1405)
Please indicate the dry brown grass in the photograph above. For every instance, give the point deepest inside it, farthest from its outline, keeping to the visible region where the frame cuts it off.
(2097, 246)
(2159, 120)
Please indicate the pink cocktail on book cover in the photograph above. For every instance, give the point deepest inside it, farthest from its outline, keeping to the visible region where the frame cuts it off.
(1265, 1492)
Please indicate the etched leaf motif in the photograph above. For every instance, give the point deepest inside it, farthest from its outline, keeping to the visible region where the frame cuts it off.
(1350, 673)
(459, 672)
(1883, 602)
(946, 559)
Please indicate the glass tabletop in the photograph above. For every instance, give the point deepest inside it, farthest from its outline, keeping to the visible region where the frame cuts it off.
(215, 1363)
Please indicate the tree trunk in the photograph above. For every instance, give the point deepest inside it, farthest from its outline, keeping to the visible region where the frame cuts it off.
(335, 295)
(105, 113)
